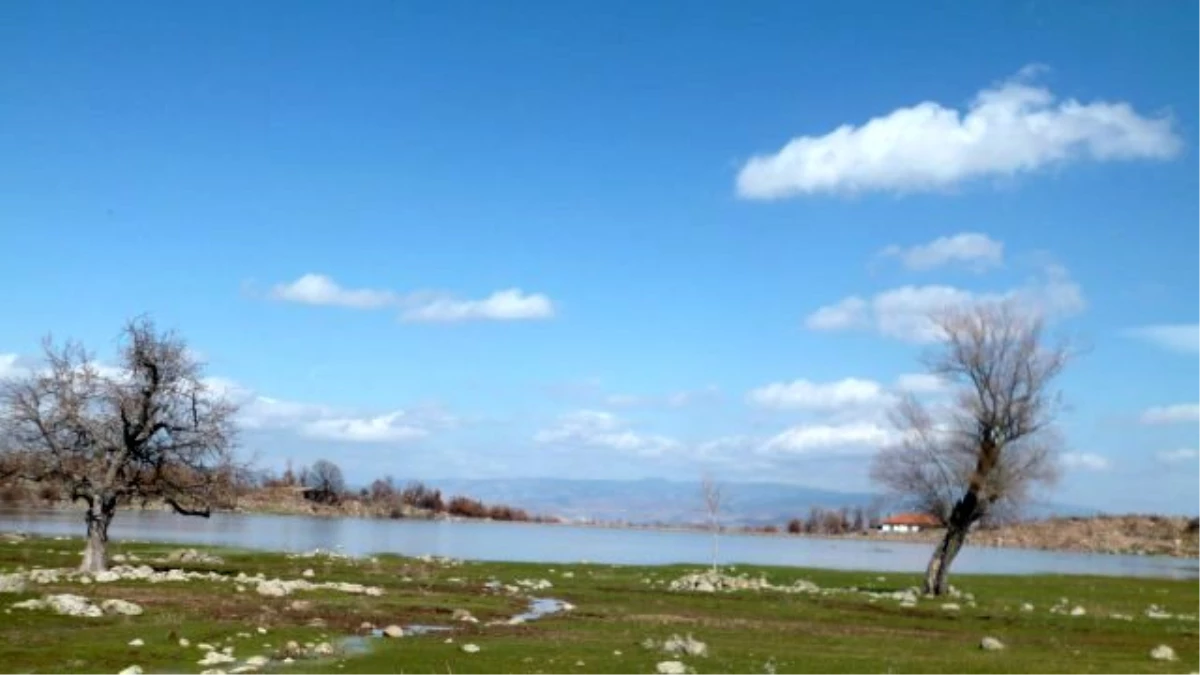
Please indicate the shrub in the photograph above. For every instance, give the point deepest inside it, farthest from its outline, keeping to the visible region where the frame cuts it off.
(466, 508)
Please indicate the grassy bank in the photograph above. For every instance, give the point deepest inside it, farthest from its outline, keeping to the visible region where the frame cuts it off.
(616, 609)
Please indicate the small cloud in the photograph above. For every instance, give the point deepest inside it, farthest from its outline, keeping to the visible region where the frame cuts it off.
(905, 312)
(1085, 461)
(602, 430)
(972, 250)
(921, 383)
(1181, 337)
(318, 289)
(390, 428)
(1011, 128)
(1172, 414)
(1177, 456)
(855, 438)
(507, 305)
(819, 396)
(848, 313)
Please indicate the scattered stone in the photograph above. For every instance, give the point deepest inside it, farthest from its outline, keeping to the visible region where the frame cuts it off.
(136, 642)
(273, 588)
(1026, 607)
(1163, 653)
(1078, 611)
(262, 631)
(951, 607)
(289, 659)
(212, 671)
(243, 669)
(85, 580)
(366, 626)
(183, 642)
(393, 631)
(1156, 612)
(685, 645)
(300, 605)
(323, 649)
(131, 670)
(12, 583)
(308, 573)
(671, 668)
(991, 644)
(215, 658)
(107, 577)
(116, 606)
(205, 647)
(239, 588)
(709, 581)
(316, 622)
(257, 661)
(470, 648)
(191, 555)
(616, 652)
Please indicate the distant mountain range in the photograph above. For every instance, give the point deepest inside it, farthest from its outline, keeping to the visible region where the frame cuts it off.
(655, 500)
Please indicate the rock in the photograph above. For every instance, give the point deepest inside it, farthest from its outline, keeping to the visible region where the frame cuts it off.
(183, 642)
(243, 669)
(227, 650)
(85, 580)
(262, 631)
(289, 659)
(212, 671)
(1163, 653)
(461, 615)
(685, 645)
(951, 607)
(300, 605)
(991, 644)
(107, 577)
(1078, 611)
(239, 588)
(215, 658)
(136, 642)
(671, 668)
(131, 670)
(393, 631)
(191, 555)
(470, 648)
(12, 583)
(30, 604)
(323, 649)
(1026, 607)
(72, 605)
(205, 647)
(257, 661)
(116, 606)
(272, 589)
(308, 573)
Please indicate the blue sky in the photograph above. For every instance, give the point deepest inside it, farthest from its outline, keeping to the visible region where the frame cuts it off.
(612, 239)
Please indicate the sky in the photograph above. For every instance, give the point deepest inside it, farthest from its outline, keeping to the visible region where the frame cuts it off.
(613, 240)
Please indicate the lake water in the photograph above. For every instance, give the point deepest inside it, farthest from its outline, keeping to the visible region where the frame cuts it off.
(560, 543)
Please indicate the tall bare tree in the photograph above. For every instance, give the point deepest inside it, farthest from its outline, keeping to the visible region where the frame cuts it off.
(146, 430)
(712, 494)
(325, 481)
(984, 453)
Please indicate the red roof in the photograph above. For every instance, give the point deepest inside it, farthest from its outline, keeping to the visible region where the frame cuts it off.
(922, 519)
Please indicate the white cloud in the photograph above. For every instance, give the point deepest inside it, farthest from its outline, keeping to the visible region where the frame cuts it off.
(506, 305)
(975, 251)
(1182, 337)
(1008, 129)
(819, 396)
(390, 428)
(851, 312)
(1172, 414)
(921, 383)
(1086, 461)
(852, 438)
(311, 420)
(602, 430)
(904, 312)
(318, 289)
(419, 306)
(677, 399)
(1176, 456)
(11, 366)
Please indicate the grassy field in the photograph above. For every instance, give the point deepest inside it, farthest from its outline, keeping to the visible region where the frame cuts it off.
(616, 610)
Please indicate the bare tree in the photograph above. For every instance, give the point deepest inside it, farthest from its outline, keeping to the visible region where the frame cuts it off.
(325, 481)
(987, 451)
(712, 494)
(146, 430)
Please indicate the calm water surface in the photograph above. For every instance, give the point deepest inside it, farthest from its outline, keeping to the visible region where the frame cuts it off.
(561, 543)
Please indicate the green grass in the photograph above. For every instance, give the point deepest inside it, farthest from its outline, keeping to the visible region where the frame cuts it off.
(615, 611)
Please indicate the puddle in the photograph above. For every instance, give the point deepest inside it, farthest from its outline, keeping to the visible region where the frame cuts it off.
(416, 629)
(540, 607)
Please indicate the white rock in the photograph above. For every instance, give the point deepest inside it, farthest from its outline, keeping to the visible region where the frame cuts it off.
(12, 583)
(215, 658)
(107, 577)
(323, 649)
(243, 669)
(262, 631)
(131, 670)
(117, 606)
(72, 605)
(991, 644)
(671, 668)
(136, 642)
(1026, 607)
(393, 631)
(272, 589)
(1163, 653)
(470, 648)
(257, 661)
(951, 607)
(685, 645)
(1078, 611)
(205, 647)
(308, 573)
(212, 671)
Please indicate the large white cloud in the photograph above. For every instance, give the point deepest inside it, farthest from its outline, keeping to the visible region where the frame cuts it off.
(973, 250)
(602, 430)
(509, 304)
(1177, 456)
(1180, 337)
(905, 312)
(805, 394)
(1011, 128)
(1172, 414)
(853, 438)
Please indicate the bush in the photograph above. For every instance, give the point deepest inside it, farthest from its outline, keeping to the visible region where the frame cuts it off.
(416, 494)
(466, 508)
(795, 526)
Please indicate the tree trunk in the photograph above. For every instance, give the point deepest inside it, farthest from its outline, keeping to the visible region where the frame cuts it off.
(95, 553)
(943, 555)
